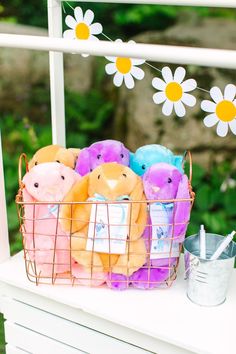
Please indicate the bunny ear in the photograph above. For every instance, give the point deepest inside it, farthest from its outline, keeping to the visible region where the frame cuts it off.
(27, 197)
(131, 158)
(182, 209)
(137, 192)
(74, 217)
(138, 211)
(178, 163)
(83, 162)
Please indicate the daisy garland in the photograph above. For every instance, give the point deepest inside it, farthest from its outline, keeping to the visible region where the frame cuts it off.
(172, 89)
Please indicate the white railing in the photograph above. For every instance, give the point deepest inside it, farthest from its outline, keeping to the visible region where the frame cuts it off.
(208, 3)
(152, 52)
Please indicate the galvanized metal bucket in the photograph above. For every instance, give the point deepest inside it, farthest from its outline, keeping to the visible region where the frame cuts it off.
(208, 280)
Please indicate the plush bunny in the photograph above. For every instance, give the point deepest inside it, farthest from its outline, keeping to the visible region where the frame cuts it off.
(55, 153)
(44, 239)
(163, 182)
(108, 182)
(101, 152)
(148, 155)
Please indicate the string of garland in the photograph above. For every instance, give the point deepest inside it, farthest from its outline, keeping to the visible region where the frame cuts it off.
(172, 90)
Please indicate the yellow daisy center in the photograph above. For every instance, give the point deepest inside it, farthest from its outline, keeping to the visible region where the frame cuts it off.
(82, 31)
(174, 91)
(226, 111)
(123, 65)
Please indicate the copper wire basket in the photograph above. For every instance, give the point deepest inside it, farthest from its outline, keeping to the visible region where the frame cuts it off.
(160, 272)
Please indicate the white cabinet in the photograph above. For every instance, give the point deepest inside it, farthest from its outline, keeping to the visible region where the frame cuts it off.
(48, 319)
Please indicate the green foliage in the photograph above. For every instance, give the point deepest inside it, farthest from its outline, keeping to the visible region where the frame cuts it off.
(2, 339)
(213, 207)
(32, 12)
(117, 19)
(87, 116)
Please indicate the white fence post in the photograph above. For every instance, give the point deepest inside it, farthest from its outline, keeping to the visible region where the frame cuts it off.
(4, 239)
(56, 75)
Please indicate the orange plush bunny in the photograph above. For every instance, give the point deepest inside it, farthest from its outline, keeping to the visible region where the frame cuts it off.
(55, 153)
(125, 252)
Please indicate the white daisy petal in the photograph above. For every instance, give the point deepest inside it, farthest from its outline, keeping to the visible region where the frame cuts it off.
(78, 12)
(208, 106)
(110, 69)
(69, 34)
(129, 81)
(84, 55)
(188, 100)
(210, 120)
(159, 97)
(234, 102)
(137, 73)
(216, 94)
(232, 126)
(230, 92)
(167, 108)
(222, 129)
(112, 59)
(88, 17)
(179, 109)
(93, 38)
(96, 28)
(167, 74)
(70, 21)
(118, 79)
(131, 42)
(189, 85)
(138, 61)
(118, 40)
(179, 74)
(158, 84)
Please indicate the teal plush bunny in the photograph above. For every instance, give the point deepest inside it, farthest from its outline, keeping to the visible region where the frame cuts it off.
(148, 155)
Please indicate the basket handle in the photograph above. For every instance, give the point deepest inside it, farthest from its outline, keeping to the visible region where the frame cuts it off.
(188, 154)
(22, 158)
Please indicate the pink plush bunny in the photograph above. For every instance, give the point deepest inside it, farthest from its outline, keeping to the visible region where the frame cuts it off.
(50, 182)
(163, 182)
(44, 239)
(99, 153)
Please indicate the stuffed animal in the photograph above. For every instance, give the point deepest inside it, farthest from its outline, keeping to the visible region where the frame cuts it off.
(124, 252)
(101, 152)
(47, 245)
(55, 153)
(148, 155)
(167, 221)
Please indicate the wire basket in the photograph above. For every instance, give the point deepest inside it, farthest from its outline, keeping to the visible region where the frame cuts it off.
(49, 252)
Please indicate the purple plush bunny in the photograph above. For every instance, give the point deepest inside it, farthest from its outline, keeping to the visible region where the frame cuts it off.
(161, 182)
(99, 153)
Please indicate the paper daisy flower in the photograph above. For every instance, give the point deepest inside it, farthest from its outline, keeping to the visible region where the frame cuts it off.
(174, 91)
(125, 69)
(82, 27)
(223, 110)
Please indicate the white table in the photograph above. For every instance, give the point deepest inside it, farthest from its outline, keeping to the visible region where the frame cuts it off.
(67, 320)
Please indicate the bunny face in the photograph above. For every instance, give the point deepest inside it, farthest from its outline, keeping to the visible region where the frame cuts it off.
(161, 181)
(148, 155)
(101, 152)
(113, 180)
(49, 181)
